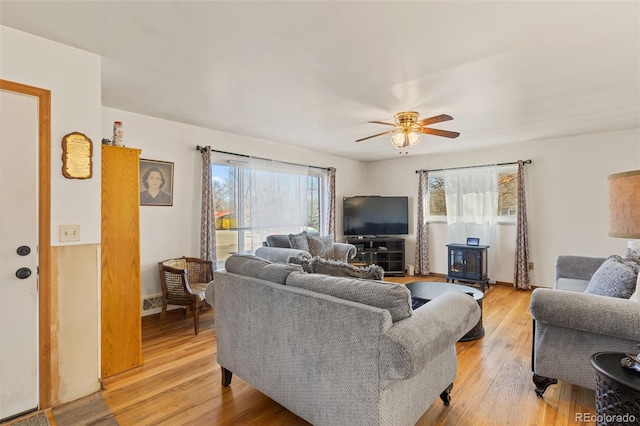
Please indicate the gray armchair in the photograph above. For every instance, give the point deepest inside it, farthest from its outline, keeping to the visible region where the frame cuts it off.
(569, 325)
(278, 247)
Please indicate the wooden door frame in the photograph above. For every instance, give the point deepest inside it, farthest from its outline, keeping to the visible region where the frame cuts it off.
(44, 234)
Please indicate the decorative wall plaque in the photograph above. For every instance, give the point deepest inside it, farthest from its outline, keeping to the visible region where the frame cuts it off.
(77, 153)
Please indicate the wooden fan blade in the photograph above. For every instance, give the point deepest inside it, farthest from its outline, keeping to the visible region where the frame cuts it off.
(382, 122)
(437, 132)
(435, 119)
(374, 136)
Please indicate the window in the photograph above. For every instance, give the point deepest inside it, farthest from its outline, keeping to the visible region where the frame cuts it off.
(507, 194)
(284, 200)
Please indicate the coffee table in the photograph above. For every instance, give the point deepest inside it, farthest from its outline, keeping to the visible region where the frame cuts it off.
(425, 291)
(617, 389)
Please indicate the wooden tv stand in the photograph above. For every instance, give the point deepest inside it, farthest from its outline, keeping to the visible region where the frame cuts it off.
(386, 252)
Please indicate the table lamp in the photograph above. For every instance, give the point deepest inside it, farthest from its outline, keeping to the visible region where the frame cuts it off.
(624, 207)
(624, 212)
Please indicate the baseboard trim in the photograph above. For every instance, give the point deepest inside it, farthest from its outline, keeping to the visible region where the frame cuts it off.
(436, 274)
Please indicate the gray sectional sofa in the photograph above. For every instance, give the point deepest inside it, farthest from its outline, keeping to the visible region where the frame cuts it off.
(570, 325)
(334, 350)
(279, 247)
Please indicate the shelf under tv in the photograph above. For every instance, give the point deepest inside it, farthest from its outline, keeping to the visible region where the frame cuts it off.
(386, 252)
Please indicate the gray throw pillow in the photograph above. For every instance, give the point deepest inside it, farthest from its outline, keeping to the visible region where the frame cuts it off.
(257, 267)
(341, 269)
(299, 241)
(393, 297)
(320, 246)
(278, 240)
(633, 258)
(303, 259)
(614, 278)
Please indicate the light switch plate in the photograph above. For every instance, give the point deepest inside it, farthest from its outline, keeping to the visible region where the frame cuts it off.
(69, 233)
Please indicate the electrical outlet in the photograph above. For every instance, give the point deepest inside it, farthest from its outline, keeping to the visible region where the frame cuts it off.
(69, 233)
(531, 266)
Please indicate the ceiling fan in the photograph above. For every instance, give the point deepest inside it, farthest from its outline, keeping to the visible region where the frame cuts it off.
(406, 129)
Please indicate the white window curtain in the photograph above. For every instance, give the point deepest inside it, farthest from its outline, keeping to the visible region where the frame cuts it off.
(278, 199)
(472, 206)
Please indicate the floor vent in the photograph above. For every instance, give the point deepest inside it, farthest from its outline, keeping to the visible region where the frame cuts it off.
(153, 302)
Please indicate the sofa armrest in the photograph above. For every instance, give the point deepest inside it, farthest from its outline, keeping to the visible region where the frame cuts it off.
(609, 316)
(279, 254)
(409, 345)
(343, 252)
(577, 267)
(209, 293)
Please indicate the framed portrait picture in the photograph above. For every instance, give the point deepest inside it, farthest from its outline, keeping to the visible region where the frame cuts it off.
(156, 183)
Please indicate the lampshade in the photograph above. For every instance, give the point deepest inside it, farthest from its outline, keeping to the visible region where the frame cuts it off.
(624, 205)
(405, 138)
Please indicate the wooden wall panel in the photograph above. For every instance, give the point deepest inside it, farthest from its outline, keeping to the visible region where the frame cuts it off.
(121, 334)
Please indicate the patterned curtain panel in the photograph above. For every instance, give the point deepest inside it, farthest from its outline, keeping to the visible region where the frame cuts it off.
(422, 234)
(331, 202)
(521, 267)
(208, 212)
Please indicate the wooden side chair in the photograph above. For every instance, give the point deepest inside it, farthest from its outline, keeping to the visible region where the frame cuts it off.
(184, 281)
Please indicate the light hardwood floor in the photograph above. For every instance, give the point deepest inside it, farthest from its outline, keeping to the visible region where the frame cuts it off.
(179, 383)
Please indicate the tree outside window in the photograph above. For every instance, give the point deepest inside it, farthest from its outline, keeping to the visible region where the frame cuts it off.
(231, 189)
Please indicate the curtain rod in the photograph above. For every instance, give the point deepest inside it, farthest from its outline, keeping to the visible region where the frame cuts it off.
(471, 167)
(201, 149)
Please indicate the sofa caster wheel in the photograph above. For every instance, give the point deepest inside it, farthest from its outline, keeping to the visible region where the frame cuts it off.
(446, 395)
(542, 383)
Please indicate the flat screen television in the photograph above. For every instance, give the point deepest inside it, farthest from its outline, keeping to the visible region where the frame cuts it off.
(375, 215)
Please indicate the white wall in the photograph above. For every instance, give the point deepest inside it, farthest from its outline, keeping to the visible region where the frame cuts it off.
(167, 232)
(566, 193)
(74, 79)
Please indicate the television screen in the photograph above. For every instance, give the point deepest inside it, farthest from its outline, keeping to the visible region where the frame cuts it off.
(375, 215)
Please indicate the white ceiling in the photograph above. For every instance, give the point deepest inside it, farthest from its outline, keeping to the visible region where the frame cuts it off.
(311, 74)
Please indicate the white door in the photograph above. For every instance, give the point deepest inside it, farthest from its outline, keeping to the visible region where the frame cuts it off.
(18, 271)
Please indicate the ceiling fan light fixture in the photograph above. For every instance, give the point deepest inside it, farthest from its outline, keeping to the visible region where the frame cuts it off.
(405, 138)
(407, 130)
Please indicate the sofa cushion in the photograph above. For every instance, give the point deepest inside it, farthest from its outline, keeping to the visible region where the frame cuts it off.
(199, 289)
(571, 284)
(175, 263)
(395, 298)
(342, 269)
(256, 267)
(278, 240)
(614, 278)
(299, 241)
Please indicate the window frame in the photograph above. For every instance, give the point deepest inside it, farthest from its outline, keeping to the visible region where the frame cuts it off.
(240, 171)
(501, 219)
